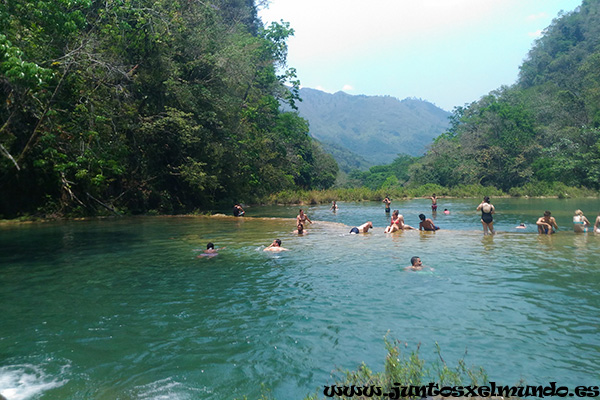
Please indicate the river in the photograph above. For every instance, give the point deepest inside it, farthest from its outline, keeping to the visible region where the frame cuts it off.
(123, 308)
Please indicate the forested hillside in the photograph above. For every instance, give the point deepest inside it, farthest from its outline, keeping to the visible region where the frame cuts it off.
(376, 128)
(139, 105)
(543, 130)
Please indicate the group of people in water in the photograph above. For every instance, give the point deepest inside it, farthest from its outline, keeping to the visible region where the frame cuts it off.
(546, 224)
(301, 221)
(397, 221)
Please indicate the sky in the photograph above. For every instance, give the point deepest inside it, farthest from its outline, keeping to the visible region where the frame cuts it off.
(447, 52)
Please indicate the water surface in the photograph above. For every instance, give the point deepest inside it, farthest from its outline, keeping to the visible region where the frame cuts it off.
(124, 308)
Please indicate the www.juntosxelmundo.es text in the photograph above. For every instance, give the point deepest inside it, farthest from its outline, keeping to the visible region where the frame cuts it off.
(432, 389)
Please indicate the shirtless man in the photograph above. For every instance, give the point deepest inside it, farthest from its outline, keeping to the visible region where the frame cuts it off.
(597, 224)
(302, 218)
(416, 265)
(275, 246)
(238, 211)
(210, 250)
(426, 224)
(397, 223)
(547, 224)
(387, 203)
(364, 228)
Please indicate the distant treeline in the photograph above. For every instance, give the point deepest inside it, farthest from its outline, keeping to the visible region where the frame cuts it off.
(137, 105)
(538, 136)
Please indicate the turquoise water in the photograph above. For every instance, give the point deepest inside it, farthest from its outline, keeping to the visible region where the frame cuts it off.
(124, 308)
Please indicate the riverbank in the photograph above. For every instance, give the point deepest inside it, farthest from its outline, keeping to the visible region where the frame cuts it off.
(314, 197)
(535, 190)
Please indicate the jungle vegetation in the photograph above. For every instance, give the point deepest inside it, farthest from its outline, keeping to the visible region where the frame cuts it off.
(537, 137)
(131, 106)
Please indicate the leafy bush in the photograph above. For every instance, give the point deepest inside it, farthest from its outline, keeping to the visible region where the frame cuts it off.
(399, 369)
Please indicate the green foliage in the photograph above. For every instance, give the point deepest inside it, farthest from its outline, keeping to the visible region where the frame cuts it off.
(551, 189)
(366, 194)
(18, 71)
(388, 177)
(144, 105)
(540, 132)
(405, 370)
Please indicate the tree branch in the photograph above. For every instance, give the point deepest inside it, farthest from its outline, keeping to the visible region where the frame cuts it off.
(7, 154)
(35, 133)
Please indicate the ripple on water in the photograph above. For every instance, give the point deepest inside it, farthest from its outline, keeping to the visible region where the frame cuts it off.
(138, 315)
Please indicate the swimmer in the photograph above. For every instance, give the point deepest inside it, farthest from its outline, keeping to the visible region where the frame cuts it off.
(210, 250)
(334, 206)
(364, 228)
(446, 211)
(275, 246)
(416, 265)
(302, 218)
(597, 224)
(300, 230)
(426, 224)
(547, 224)
(521, 226)
(580, 222)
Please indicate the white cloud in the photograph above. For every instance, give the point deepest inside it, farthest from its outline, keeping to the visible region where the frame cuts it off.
(535, 17)
(535, 34)
(322, 89)
(347, 88)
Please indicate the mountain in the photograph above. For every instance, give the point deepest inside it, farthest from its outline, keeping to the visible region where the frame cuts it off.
(347, 160)
(376, 128)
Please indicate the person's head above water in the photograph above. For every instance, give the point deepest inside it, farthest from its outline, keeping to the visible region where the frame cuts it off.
(210, 246)
(415, 261)
(277, 242)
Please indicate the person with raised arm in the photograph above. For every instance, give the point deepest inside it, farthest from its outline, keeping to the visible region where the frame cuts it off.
(275, 246)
